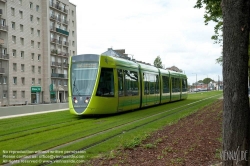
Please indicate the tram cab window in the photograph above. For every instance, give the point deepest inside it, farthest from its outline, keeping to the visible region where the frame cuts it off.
(106, 83)
(184, 85)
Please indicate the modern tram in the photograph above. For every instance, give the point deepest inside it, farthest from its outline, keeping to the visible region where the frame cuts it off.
(100, 84)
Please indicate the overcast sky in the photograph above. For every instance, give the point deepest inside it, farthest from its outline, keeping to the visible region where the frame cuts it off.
(172, 29)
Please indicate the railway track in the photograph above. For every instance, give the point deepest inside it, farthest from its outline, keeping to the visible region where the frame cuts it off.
(86, 142)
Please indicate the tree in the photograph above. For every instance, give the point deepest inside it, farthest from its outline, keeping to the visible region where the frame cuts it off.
(158, 62)
(236, 119)
(207, 80)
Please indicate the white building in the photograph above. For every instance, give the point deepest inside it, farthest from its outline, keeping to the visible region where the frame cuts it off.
(36, 39)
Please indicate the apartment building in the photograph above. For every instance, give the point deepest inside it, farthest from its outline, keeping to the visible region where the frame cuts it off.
(36, 39)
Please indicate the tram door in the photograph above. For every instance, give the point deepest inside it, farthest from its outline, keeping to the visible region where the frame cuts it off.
(124, 96)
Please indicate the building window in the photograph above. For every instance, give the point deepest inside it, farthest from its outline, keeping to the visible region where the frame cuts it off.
(73, 33)
(22, 41)
(31, 5)
(32, 31)
(4, 94)
(38, 20)
(23, 80)
(37, 8)
(33, 81)
(22, 67)
(14, 53)
(21, 28)
(14, 80)
(33, 69)
(13, 39)
(73, 23)
(38, 33)
(21, 14)
(23, 94)
(22, 54)
(59, 82)
(14, 67)
(20, 2)
(39, 69)
(65, 83)
(73, 43)
(13, 11)
(32, 56)
(39, 57)
(31, 18)
(14, 94)
(4, 80)
(38, 45)
(39, 81)
(32, 44)
(73, 12)
(13, 25)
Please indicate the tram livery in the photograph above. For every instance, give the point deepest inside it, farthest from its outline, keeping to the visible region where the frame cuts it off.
(100, 84)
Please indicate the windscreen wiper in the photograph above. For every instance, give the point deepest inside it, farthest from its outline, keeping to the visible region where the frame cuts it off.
(74, 87)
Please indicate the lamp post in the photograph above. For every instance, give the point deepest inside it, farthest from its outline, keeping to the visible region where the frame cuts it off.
(196, 81)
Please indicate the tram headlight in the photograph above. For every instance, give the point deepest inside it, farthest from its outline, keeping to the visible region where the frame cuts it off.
(75, 101)
(86, 100)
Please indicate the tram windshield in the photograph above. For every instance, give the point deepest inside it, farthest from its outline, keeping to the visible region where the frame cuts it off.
(83, 76)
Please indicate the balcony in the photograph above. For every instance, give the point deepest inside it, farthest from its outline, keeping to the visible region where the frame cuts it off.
(58, 7)
(4, 56)
(2, 71)
(52, 16)
(65, 21)
(57, 75)
(65, 65)
(62, 31)
(53, 28)
(65, 43)
(4, 27)
(54, 40)
(56, 64)
(64, 54)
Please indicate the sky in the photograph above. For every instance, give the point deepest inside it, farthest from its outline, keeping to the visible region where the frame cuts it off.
(171, 29)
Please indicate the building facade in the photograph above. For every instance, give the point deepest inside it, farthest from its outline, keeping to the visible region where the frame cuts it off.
(37, 37)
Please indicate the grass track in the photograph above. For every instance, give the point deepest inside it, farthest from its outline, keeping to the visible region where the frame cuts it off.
(41, 132)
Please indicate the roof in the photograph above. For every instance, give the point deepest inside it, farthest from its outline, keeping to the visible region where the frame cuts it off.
(174, 68)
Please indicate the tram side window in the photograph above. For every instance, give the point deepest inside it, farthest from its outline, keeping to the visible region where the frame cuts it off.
(184, 85)
(157, 91)
(146, 83)
(177, 84)
(127, 83)
(106, 83)
(152, 84)
(173, 84)
(120, 82)
(165, 80)
(134, 83)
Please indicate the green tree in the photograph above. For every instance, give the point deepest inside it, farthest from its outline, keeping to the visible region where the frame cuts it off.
(158, 62)
(207, 80)
(213, 13)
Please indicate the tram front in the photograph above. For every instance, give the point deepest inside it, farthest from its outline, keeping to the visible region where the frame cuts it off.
(82, 77)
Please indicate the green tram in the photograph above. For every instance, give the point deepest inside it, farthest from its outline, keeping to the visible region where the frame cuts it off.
(100, 84)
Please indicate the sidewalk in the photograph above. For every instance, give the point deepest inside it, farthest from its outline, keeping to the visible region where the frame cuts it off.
(26, 110)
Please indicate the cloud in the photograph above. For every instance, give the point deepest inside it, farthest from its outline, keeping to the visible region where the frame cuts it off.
(145, 28)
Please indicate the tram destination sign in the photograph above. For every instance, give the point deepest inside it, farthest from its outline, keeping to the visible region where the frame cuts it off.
(36, 89)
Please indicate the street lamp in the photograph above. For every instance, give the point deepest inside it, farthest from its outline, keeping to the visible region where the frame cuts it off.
(196, 81)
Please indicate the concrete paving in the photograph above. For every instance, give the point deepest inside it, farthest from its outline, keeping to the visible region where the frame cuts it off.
(26, 110)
